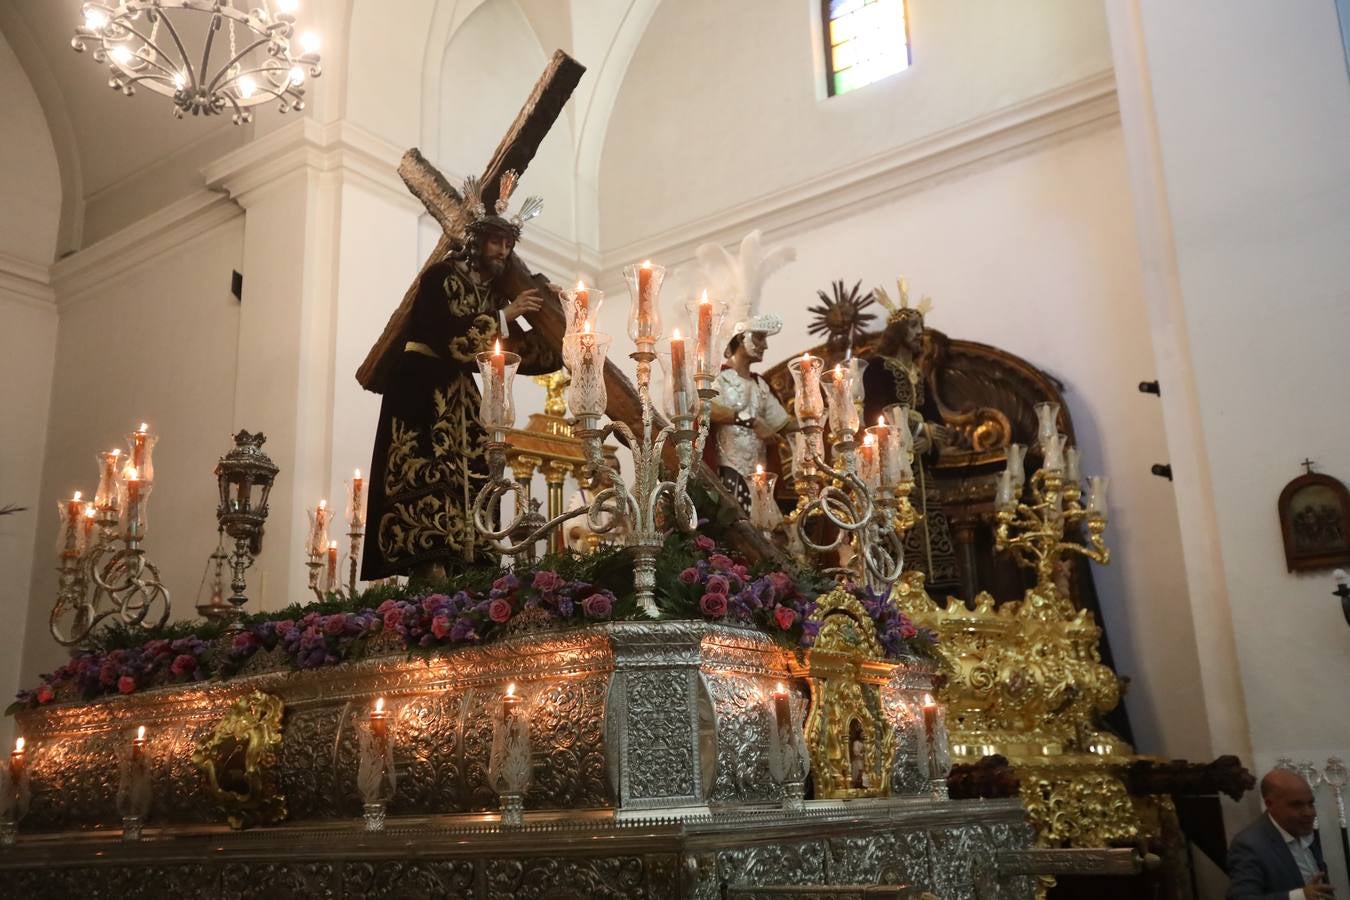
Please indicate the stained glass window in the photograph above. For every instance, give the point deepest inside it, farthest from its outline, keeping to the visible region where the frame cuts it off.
(865, 41)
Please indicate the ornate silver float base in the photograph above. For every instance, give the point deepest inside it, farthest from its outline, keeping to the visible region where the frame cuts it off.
(131, 828)
(373, 815)
(947, 848)
(513, 810)
(9, 833)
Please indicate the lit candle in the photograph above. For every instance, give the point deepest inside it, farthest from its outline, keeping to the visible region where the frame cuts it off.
(69, 536)
(105, 499)
(584, 354)
(136, 489)
(679, 383)
(138, 745)
(138, 442)
(318, 531)
(510, 702)
(645, 300)
(89, 521)
(867, 460)
(704, 335)
(379, 720)
(806, 375)
(930, 726)
(332, 565)
(892, 464)
(357, 515)
(498, 382)
(782, 711)
(16, 764)
(839, 392)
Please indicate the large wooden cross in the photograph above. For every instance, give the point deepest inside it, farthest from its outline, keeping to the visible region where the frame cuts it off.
(440, 198)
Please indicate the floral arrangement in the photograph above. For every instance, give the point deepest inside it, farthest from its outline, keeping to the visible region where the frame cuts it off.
(697, 580)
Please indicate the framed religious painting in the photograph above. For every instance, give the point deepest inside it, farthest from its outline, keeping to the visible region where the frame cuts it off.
(1315, 522)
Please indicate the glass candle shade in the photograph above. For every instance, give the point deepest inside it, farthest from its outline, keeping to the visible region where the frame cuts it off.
(72, 535)
(498, 407)
(141, 453)
(892, 462)
(1005, 497)
(133, 497)
(843, 413)
(806, 449)
(810, 403)
(105, 499)
(869, 470)
(764, 513)
(509, 767)
(1097, 495)
(1073, 474)
(375, 776)
(15, 792)
(1047, 419)
(644, 315)
(675, 383)
(581, 305)
(316, 544)
(1053, 448)
(708, 317)
(584, 355)
(356, 500)
(133, 783)
(1016, 454)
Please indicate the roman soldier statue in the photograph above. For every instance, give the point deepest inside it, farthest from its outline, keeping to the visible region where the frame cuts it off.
(746, 416)
(429, 460)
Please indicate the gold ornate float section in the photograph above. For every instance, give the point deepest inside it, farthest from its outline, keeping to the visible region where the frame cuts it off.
(633, 718)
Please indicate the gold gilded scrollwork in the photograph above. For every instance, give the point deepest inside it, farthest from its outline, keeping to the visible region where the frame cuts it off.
(848, 740)
(240, 761)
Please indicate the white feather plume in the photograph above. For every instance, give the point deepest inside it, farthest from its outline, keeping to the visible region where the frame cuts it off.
(740, 279)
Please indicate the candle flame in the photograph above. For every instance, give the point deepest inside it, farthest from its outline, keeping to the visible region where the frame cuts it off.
(928, 701)
(140, 733)
(497, 348)
(356, 474)
(132, 474)
(759, 468)
(838, 371)
(323, 504)
(144, 428)
(379, 706)
(779, 689)
(18, 745)
(586, 327)
(646, 264)
(332, 545)
(76, 496)
(881, 421)
(511, 689)
(869, 440)
(676, 335)
(704, 298)
(117, 452)
(581, 285)
(89, 511)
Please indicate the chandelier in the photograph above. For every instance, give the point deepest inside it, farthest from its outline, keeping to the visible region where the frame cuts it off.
(166, 46)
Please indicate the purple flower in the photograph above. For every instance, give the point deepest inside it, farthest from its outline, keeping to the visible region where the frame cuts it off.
(713, 605)
(463, 630)
(566, 606)
(597, 606)
(689, 576)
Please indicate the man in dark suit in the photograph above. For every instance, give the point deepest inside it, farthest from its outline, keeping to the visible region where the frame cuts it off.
(1278, 856)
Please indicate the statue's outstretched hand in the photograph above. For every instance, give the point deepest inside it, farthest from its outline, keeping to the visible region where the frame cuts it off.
(526, 302)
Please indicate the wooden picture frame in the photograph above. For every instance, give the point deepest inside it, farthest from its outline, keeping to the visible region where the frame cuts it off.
(1315, 523)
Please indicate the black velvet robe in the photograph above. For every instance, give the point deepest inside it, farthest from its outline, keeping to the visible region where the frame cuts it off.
(429, 460)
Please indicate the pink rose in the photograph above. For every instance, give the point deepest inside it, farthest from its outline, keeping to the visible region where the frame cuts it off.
(704, 543)
(392, 620)
(335, 624)
(241, 641)
(782, 584)
(284, 627)
(547, 581)
(689, 575)
(741, 572)
(713, 605)
(45, 693)
(183, 663)
(597, 606)
(499, 610)
(721, 562)
(718, 584)
(126, 684)
(440, 627)
(784, 617)
(386, 606)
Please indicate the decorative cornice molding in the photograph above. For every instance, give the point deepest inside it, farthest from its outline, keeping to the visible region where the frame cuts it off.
(26, 282)
(304, 145)
(74, 277)
(1070, 111)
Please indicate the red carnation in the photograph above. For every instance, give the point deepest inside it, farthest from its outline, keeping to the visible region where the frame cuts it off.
(45, 693)
(784, 616)
(126, 684)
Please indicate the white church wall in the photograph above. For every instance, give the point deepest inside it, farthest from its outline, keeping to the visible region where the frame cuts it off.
(30, 184)
(1037, 256)
(722, 102)
(153, 341)
(1258, 185)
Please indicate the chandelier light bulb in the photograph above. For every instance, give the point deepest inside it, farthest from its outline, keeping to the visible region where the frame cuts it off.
(179, 81)
(309, 42)
(247, 87)
(95, 19)
(297, 75)
(121, 55)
